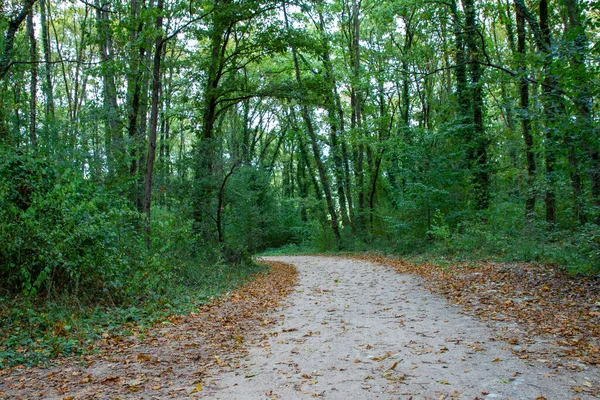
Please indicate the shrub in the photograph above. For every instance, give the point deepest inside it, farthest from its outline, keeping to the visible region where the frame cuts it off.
(60, 232)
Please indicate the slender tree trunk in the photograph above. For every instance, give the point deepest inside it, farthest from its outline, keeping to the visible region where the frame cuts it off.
(356, 105)
(479, 156)
(143, 130)
(315, 149)
(156, 84)
(136, 86)
(113, 138)
(220, 200)
(334, 124)
(583, 100)
(48, 86)
(344, 153)
(33, 87)
(460, 70)
(525, 118)
(551, 99)
(552, 110)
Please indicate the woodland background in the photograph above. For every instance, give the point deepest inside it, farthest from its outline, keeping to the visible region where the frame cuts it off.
(148, 148)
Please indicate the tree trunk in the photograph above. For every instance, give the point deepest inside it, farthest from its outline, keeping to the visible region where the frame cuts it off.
(48, 86)
(113, 139)
(33, 88)
(356, 104)
(478, 155)
(525, 118)
(135, 86)
(583, 99)
(207, 148)
(552, 110)
(9, 38)
(335, 124)
(156, 83)
(460, 70)
(315, 148)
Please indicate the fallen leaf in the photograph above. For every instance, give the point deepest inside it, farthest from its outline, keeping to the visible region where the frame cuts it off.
(197, 389)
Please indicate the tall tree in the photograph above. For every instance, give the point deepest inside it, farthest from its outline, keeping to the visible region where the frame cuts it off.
(310, 129)
(477, 151)
(525, 113)
(33, 88)
(114, 141)
(156, 85)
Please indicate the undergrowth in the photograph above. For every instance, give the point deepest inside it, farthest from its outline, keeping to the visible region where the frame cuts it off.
(36, 330)
(502, 238)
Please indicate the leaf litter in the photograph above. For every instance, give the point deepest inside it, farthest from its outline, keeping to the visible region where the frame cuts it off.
(171, 360)
(522, 301)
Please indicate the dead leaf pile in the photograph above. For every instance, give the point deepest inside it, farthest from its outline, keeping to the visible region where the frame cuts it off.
(542, 300)
(169, 361)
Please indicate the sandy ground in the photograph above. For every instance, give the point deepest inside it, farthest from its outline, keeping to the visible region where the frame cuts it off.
(357, 330)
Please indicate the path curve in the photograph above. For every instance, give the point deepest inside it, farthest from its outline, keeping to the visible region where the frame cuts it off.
(358, 330)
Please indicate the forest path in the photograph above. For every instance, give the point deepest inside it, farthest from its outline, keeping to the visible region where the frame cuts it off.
(357, 330)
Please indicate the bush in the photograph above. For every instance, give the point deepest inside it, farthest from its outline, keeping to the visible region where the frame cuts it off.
(60, 232)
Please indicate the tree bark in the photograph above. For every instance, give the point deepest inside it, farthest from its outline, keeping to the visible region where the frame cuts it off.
(583, 101)
(315, 148)
(135, 85)
(9, 38)
(48, 86)
(113, 139)
(156, 83)
(33, 86)
(525, 117)
(552, 110)
(336, 134)
(478, 146)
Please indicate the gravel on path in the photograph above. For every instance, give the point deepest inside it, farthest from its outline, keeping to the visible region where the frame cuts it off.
(358, 330)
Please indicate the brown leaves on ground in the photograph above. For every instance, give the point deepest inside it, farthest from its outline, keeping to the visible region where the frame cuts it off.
(171, 360)
(541, 299)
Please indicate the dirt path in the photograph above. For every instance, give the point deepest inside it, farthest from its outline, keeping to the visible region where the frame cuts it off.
(357, 330)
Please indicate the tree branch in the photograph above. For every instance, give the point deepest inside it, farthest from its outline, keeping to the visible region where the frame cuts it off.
(9, 40)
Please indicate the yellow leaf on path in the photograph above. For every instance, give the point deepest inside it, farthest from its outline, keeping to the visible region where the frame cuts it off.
(394, 365)
(197, 389)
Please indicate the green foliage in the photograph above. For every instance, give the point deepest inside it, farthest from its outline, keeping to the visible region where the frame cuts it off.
(61, 232)
(504, 235)
(255, 219)
(439, 229)
(35, 331)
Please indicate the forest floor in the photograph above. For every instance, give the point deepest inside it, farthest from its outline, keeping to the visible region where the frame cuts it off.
(356, 329)
(170, 361)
